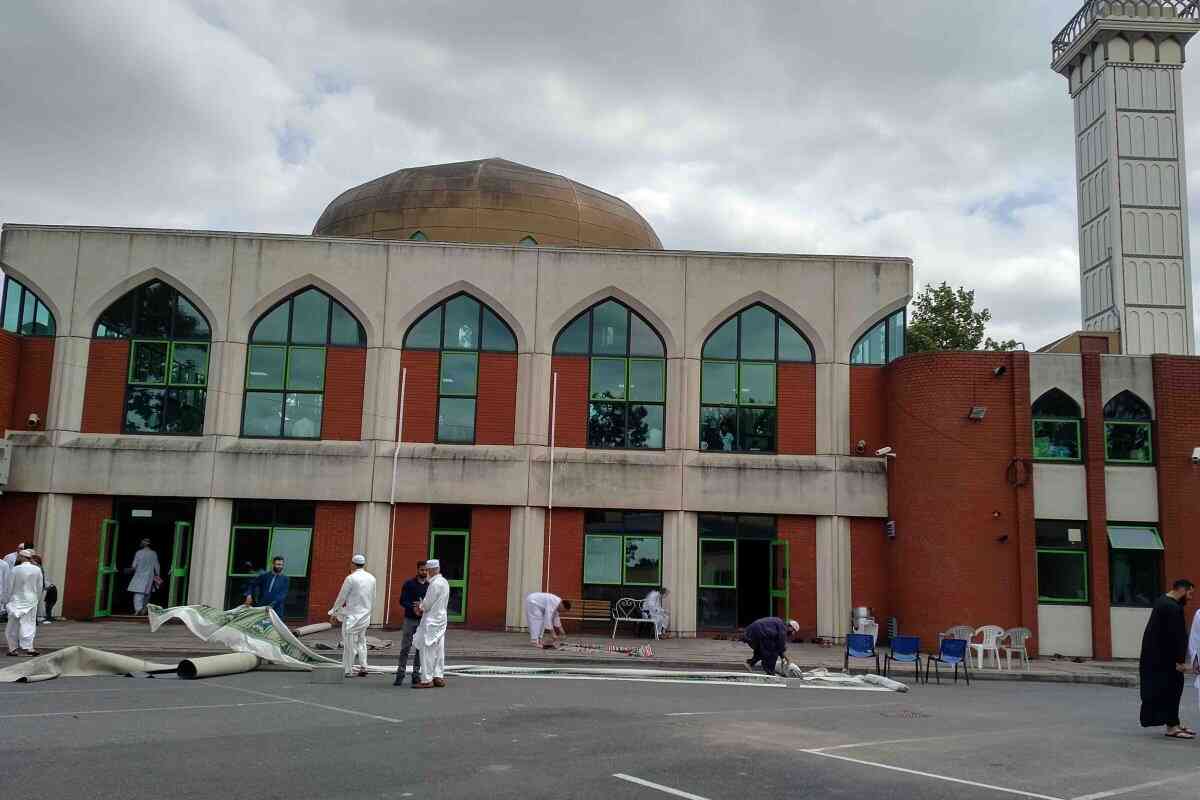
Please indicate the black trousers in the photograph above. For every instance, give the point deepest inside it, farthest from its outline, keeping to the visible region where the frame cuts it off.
(1162, 693)
(51, 599)
(410, 628)
(768, 660)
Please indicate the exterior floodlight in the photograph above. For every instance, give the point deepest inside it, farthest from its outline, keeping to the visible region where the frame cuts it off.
(977, 413)
(1000, 370)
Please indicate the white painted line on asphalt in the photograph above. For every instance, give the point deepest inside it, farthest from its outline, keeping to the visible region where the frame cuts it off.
(658, 786)
(1138, 788)
(777, 710)
(912, 739)
(934, 775)
(617, 678)
(308, 703)
(132, 710)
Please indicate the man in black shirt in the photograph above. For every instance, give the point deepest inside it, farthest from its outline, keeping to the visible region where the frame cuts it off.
(410, 597)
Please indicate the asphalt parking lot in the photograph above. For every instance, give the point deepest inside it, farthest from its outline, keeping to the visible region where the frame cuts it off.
(274, 734)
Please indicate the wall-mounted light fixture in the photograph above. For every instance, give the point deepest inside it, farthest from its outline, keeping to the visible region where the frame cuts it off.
(977, 413)
(1000, 370)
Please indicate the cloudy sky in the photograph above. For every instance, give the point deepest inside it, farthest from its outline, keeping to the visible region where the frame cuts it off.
(925, 128)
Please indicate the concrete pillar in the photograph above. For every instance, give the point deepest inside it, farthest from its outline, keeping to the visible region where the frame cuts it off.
(675, 432)
(829, 419)
(680, 543)
(526, 551)
(67, 379)
(381, 394)
(228, 380)
(534, 383)
(372, 531)
(690, 396)
(211, 533)
(215, 398)
(833, 576)
(52, 537)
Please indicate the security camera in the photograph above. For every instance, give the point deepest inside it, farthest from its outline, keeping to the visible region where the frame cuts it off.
(883, 451)
(33, 421)
(1196, 455)
(861, 447)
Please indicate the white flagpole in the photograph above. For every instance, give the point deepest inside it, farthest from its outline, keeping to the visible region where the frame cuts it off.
(550, 502)
(387, 609)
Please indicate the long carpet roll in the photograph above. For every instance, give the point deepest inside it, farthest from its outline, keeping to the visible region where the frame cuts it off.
(212, 666)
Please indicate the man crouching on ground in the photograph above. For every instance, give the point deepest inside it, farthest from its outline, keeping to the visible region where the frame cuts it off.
(768, 637)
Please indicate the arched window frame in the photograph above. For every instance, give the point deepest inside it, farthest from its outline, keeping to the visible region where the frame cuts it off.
(615, 377)
(296, 393)
(1057, 436)
(458, 359)
(884, 342)
(1128, 434)
(22, 312)
(730, 414)
(169, 351)
(528, 241)
(418, 236)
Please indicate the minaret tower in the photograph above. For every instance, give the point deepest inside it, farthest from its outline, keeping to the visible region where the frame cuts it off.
(1124, 64)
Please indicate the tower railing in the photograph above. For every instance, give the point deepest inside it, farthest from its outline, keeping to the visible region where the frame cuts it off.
(1188, 10)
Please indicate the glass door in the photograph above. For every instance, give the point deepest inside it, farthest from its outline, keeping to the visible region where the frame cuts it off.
(716, 597)
(779, 579)
(106, 568)
(451, 548)
(181, 558)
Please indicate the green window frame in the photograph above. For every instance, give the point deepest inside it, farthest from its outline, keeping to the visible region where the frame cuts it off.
(626, 567)
(1135, 565)
(459, 584)
(1044, 439)
(22, 312)
(700, 582)
(275, 533)
(1082, 557)
(617, 573)
(1113, 428)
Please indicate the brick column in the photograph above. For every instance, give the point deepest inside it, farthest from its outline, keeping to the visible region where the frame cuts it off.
(801, 535)
(487, 581)
(797, 409)
(1177, 432)
(104, 388)
(570, 429)
(1021, 477)
(332, 547)
(1093, 444)
(420, 394)
(83, 554)
(410, 544)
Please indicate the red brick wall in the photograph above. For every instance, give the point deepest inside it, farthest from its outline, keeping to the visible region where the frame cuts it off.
(868, 408)
(104, 389)
(950, 495)
(345, 380)
(1177, 415)
(18, 520)
(571, 426)
(33, 382)
(797, 409)
(496, 407)
(410, 543)
(1093, 459)
(10, 365)
(870, 583)
(83, 554)
(420, 394)
(487, 580)
(564, 552)
(801, 535)
(332, 547)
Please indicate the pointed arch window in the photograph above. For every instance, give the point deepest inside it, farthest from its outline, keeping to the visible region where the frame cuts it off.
(1056, 427)
(167, 380)
(883, 344)
(1127, 430)
(22, 312)
(285, 364)
(627, 375)
(418, 236)
(737, 379)
(459, 328)
(528, 241)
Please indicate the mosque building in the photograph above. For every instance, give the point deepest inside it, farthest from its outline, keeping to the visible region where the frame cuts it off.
(503, 368)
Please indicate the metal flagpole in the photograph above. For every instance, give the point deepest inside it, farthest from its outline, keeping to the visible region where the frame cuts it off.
(387, 609)
(550, 499)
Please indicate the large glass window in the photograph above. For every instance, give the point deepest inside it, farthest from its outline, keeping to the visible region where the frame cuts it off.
(1135, 565)
(1062, 562)
(262, 531)
(22, 312)
(738, 559)
(1127, 430)
(883, 343)
(738, 376)
(627, 386)
(622, 554)
(167, 379)
(1056, 427)
(285, 364)
(459, 328)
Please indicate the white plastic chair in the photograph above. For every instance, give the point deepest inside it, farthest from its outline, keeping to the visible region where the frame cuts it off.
(1016, 644)
(990, 636)
(956, 632)
(871, 628)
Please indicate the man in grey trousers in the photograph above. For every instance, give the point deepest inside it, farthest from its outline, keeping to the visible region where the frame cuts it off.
(410, 597)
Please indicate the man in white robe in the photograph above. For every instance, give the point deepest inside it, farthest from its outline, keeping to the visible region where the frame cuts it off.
(23, 599)
(653, 609)
(541, 613)
(145, 569)
(1193, 654)
(353, 609)
(11, 558)
(5, 580)
(431, 633)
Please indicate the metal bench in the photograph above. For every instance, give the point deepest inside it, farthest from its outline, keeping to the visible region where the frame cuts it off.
(629, 610)
(587, 610)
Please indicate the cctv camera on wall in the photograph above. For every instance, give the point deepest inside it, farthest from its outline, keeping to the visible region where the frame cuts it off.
(1196, 455)
(33, 421)
(883, 451)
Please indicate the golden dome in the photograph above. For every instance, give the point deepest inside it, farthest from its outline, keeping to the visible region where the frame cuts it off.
(491, 201)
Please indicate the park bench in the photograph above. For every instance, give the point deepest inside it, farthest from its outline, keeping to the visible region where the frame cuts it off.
(587, 610)
(629, 610)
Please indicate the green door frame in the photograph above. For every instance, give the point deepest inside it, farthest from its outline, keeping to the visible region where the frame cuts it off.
(106, 568)
(456, 584)
(780, 547)
(181, 561)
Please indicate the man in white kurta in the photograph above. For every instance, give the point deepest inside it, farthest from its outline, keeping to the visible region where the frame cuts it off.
(1194, 652)
(431, 633)
(145, 569)
(11, 558)
(5, 579)
(541, 613)
(653, 609)
(24, 595)
(353, 609)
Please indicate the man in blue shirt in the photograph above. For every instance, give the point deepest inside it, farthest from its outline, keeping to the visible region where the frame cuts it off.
(271, 587)
(410, 597)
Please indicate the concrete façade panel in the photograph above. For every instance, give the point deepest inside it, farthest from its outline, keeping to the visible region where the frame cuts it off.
(292, 470)
(1060, 491)
(526, 557)
(1131, 493)
(606, 478)
(68, 377)
(1065, 630)
(491, 475)
(381, 394)
(1062, 371)
(1127, 373)
(800, 485)
(211, 532)
(44, 259)
(1128, 625)
(227, 380)
(861, 487)
(32, 462)
(867, 290)
(155, 466)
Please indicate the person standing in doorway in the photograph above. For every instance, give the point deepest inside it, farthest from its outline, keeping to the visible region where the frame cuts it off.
(144, 570)
(431, 633)
(1164, 661)
(542, 613)
(353, 608)
(23, 600)
(271, 587)
(411, 596)
(768, 638)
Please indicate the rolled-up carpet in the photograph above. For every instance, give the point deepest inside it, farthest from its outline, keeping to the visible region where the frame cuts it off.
(212, 666)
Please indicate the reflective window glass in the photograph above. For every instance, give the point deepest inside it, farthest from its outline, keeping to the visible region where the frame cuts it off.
(574, 337)
(1056, 403)
(144, 409)
(496, 335)
(602, 557)
(155, 310)
(756, 429)
(310, 317)
(263, 414)
(427, 332)
(758, 334)
(148, 362)
(645, 426)
(718, 563)
(895, 336)
(643, 341)
(722, 343)
(456, 420)
(1127, 406)
(610, 329)
(12, 307)
(302, 415)
(647, 380)
(462, 324)
(718, 382)
(189, 364)
(757, 384)
(643, 560)
(43, 321)
(792, 346)
(265, 367)
(306, 368)
(183, 411)
(344, 329)
(608, 379)
(718, 428)
(273, 328)
(1056, 440)
(458, 374)
(1128, 442)
(606, 425)
(189, 322)
(117, 319)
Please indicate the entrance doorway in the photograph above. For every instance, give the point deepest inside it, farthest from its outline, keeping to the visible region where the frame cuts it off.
(743, 571)
(167, 523)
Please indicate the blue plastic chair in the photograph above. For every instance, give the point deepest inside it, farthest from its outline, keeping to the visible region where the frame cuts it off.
(860, 645)
(953, 652)
(906, 650)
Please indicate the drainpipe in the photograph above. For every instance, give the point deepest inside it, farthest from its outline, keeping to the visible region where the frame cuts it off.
(550, 499)
(387, 609)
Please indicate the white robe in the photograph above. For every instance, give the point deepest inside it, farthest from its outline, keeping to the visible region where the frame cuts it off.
(22, 606)
(652, 608)
(11, 559)
(541, 612)
(5, 580)
(353, 607)
(431, 633)
(145, 569)
(1194, 649)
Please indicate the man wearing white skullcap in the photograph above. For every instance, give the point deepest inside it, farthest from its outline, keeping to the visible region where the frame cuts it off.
(768, 637)
(431, 633)
(353, 609)
(25, 593)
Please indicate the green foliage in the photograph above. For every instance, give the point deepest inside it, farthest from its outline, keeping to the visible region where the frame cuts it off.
(945, 319)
